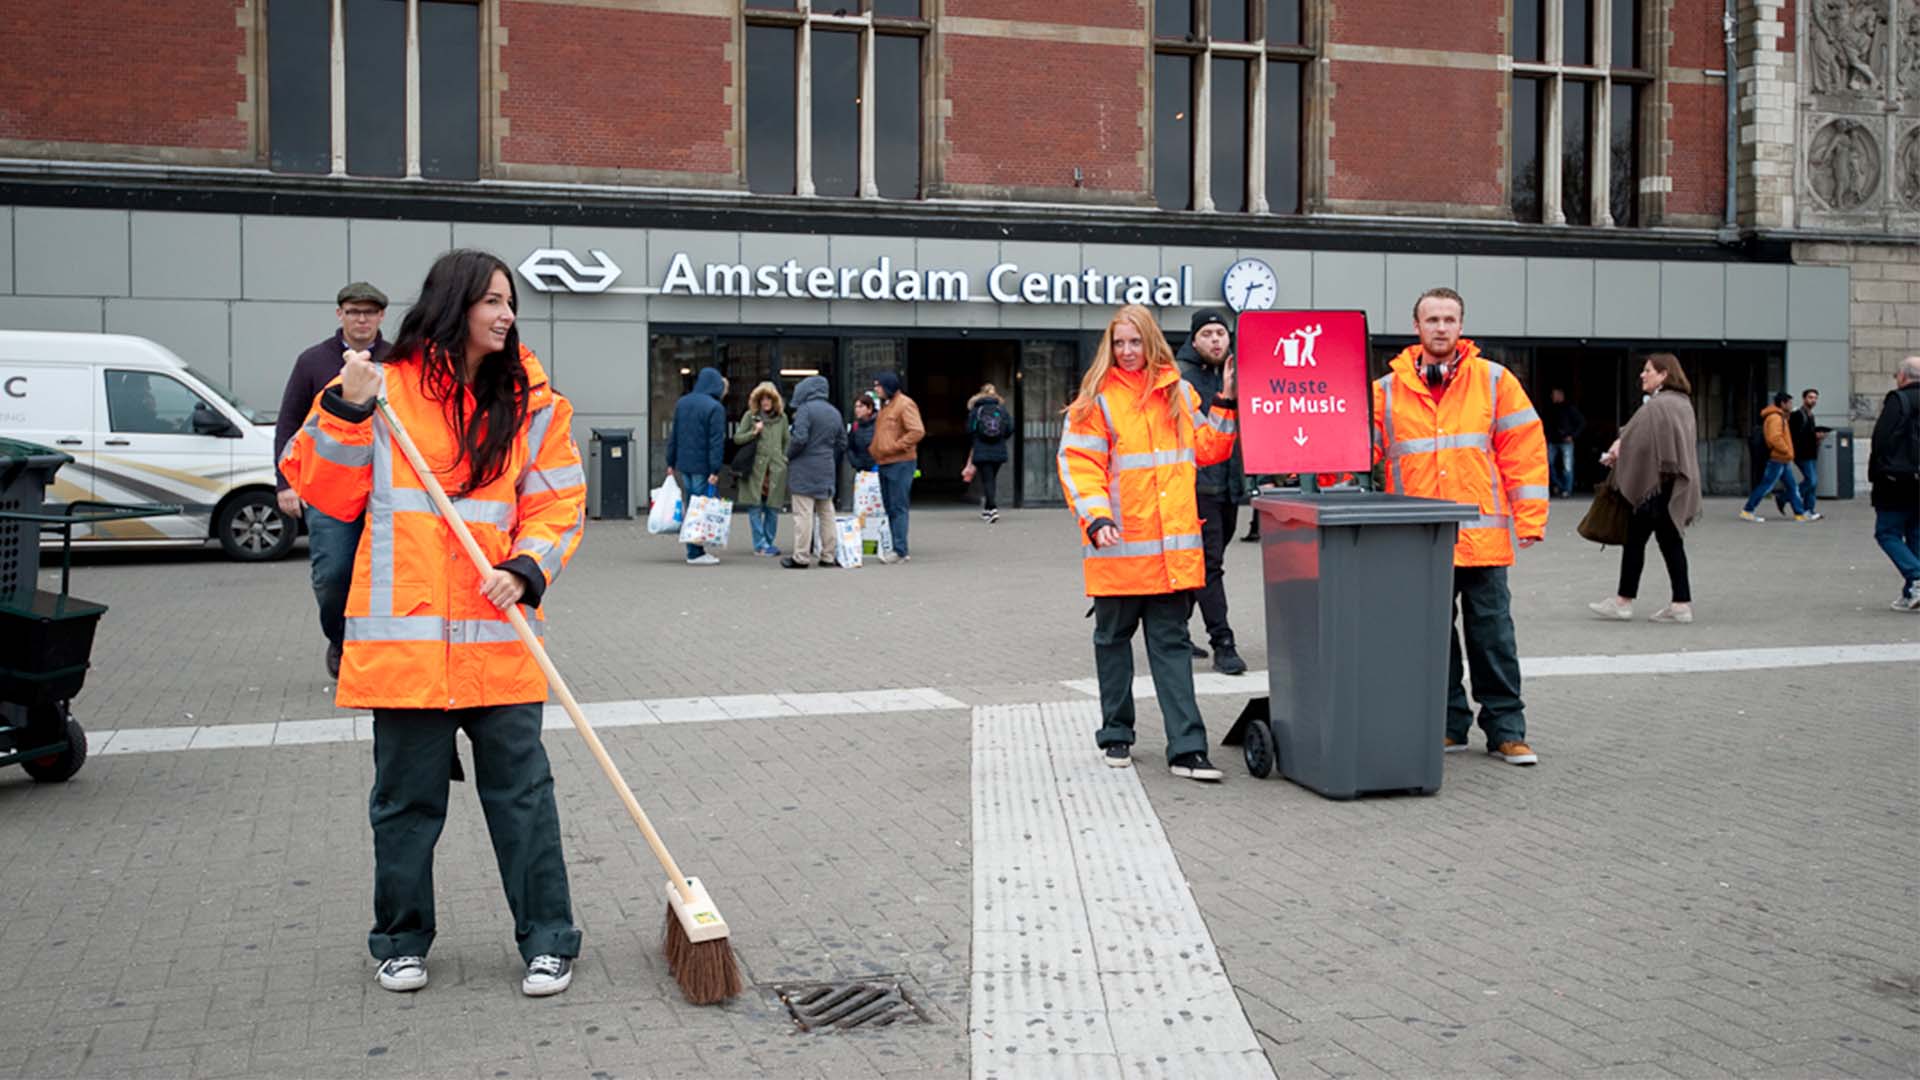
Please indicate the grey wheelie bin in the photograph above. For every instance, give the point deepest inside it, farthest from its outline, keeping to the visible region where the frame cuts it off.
(1359, 596)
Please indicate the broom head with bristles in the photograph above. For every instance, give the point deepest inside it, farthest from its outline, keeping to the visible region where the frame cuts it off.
(698, 952)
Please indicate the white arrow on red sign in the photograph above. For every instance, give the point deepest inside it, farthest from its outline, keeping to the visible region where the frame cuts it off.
(1300, 436)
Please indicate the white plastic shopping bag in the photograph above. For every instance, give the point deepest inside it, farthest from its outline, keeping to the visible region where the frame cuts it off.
(665, 508)
(846, 547)
(877, 536)
(709, 520)
(866, 495)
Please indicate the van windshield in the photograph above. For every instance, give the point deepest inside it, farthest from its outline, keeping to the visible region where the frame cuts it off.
(254, 416)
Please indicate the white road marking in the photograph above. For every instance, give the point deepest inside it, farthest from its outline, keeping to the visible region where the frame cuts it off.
(1546, 667)
(1090, 957)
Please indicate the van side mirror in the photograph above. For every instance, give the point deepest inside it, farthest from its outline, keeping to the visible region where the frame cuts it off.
(208, 422)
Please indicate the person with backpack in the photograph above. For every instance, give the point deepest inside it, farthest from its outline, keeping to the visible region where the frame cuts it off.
(1893, 467)
(991, 428)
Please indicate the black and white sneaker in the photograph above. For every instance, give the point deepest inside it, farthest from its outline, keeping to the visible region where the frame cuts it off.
(547, 975)
(1119, 756)
(1195, 766)
(993, 516)
(402, 974)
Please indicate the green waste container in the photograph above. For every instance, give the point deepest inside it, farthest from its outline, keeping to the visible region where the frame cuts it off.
(26, 471)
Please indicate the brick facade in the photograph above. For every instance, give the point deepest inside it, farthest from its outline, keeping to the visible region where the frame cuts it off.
(1697, 155)
(1096, 101)
(1116, 14)
(1447, 152)
(128, 73)
(1458, 26)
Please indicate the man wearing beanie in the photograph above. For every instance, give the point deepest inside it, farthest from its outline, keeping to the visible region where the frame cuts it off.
(1217, 488)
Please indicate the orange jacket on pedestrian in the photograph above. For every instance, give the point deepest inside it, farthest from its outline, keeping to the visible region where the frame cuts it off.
(419, 633)
(1480, 442)
(1773, 425)
(1126, 460)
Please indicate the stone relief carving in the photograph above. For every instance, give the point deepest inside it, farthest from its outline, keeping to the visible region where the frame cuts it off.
(1849, 46)
(1909, 76)
(1843, 162)
(1906, 166)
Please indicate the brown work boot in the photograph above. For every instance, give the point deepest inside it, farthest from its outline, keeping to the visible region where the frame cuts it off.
(1452, 746)
(1515, 753)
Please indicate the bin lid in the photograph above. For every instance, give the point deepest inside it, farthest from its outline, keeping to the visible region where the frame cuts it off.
(14, 453)
(1329, 508)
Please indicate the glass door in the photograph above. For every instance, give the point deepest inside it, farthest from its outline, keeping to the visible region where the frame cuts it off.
(1046, 379)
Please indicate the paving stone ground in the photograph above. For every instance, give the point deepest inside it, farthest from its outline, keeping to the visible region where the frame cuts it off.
(1709, 874)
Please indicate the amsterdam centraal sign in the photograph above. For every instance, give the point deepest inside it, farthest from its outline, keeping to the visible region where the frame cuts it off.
(556, 270)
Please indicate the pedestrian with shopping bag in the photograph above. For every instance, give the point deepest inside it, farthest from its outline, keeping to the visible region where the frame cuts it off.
(696, 447)
(1656, 470)
(762, 436)
(1135, 436)
(428, 646)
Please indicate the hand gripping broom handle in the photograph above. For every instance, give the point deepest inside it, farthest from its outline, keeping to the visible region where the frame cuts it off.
(519, 621)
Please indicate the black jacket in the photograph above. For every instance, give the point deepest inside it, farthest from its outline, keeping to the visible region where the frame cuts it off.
(860, 444)
(1893, 462)
(1228, 479)
(312, 371)
(1563, 422)
(1805, 435)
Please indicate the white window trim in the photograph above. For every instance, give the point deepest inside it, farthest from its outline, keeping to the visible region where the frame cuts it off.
(338, 88)
(1552, 77)
(868, 185)
(1200, 168)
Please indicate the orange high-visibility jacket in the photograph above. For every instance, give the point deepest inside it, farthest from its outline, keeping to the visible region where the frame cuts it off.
(419, 634)
(1127, 461)
(1479, 443)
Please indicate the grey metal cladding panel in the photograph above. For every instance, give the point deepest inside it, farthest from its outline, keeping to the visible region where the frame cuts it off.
(975, 258)
(1111, 259)
(537, 334)
(6, 249)
(1209, 272)
(627, 248)
(513, 243)
(1039, 258)
(186, 255)
(1823, 366)
(700, 247)
(1351, 280)
(196, 329)
(1818, 303)
(1559, 298)
(51, 313)
(866, 252)
(395, 255)
(60, 252)
(1495, 288)
(1626, 299)
(601, 364)
(1294, 272)
(297, 259)
(1756, 303)
(1693, 300)
(1410, 275)
(810, 251)
(267, 335)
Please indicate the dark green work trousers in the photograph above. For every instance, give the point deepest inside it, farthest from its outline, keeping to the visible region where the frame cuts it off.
(1486, 623)
(413, 755)
(1169, 657)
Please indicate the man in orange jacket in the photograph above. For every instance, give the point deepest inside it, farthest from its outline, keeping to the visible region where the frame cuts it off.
(1451, 424)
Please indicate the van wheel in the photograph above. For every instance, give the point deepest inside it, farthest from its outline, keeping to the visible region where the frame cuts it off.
(251, 528)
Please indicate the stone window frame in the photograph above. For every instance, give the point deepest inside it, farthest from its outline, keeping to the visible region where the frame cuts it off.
(1201, 46)
(803, 20)
(337, 88)
(1553, 76)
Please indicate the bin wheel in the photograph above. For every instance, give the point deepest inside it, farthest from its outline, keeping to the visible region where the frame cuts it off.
(251, 528)
(1257, 748)
(56, 768)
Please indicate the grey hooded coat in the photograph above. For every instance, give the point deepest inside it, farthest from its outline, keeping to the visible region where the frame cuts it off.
(819, 438)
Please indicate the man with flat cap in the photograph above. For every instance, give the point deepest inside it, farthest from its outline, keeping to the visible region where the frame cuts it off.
(330, 541)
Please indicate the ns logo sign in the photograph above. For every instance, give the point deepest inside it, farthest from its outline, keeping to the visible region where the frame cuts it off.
(557, 270)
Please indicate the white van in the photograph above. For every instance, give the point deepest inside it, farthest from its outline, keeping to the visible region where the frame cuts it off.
(143, 427)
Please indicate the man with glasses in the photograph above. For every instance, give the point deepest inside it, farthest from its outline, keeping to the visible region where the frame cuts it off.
(330, 541)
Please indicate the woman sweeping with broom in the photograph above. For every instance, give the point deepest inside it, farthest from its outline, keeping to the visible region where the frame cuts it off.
(429, 647)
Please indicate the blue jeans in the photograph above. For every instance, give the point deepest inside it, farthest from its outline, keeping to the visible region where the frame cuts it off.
(688, 490)
(896, 485)
(1775, 470)
(1809, 481)
(765, 522)
(331, 544)
(1898, 534)
(1560, 464)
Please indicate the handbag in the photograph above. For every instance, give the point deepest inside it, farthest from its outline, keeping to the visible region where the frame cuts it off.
(742, 462)
(1606, 520)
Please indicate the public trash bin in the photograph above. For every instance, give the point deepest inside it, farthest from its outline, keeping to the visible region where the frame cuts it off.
(610, 473)
(1359, 599)
(26, 471)
(1836, 465)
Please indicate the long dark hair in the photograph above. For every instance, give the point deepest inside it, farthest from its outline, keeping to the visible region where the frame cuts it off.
(435, 329)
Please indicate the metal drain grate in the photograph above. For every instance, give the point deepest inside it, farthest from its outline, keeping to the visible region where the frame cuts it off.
(842, 1006)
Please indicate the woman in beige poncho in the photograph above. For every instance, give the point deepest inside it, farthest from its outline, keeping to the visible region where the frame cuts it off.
(1656, 467)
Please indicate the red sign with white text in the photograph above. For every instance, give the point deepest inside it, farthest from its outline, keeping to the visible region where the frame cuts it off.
(1301, 379)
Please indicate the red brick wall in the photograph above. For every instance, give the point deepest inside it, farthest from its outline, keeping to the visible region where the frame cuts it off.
(1450, 153)
(1093, 97)
(1123, 14)
(1698, 41)
(135, 72)
(595, 87)
(1457, 26)
(1698, 131)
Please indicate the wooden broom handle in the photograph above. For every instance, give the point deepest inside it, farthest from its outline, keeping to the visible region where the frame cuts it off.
(527, 638)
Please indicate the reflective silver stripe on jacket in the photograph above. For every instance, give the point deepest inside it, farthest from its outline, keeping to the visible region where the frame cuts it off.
(1441, 442)
(1516, 419)
(1093, 509)
(1113, 470)
(1489, 521)
(380, 524)
(549, 555)
(1073, 441)
(349, 455)
(1529, 491)
(1386, 415)
(432, 628)
(1494, 372)
(493, 512)
(554, 480)
(1155, 459)
(1135, 548)
(536, 437)
(1082, 442)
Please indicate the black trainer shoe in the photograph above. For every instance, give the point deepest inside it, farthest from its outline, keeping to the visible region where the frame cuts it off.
(1226, 661)
(1200, 653)
(547, 975)
(1119, 756)
(1195, 766)
(403, 973)
(333, 659)
(792, 563)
